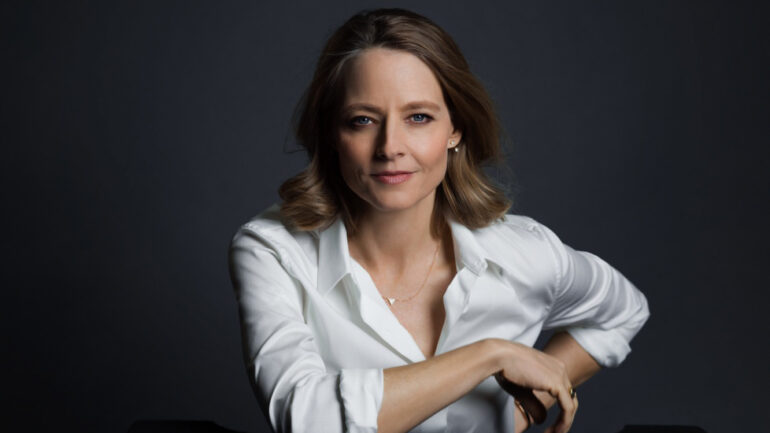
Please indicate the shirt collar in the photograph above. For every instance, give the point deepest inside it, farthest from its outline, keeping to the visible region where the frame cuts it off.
(334, 261)
(468, 252)
(333, 256)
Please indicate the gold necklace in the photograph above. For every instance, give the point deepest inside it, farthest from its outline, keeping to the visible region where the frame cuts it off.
(391, 301)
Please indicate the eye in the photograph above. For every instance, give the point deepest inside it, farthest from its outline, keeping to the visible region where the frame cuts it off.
(420, 118)
(360, 120)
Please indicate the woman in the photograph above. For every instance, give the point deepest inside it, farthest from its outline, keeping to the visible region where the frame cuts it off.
(390, 285)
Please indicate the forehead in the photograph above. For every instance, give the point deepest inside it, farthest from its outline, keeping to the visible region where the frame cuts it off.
(385, 76)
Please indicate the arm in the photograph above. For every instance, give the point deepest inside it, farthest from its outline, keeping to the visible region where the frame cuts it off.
(285, 369)
(594, 303)
(599, 308)
(296, 392)
(579, 367)
(415, 392)
(579, 364)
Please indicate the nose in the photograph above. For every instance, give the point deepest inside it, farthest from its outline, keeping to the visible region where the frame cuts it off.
(391, 141)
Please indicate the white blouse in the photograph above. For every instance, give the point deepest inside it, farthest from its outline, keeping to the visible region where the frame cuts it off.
(317, 334)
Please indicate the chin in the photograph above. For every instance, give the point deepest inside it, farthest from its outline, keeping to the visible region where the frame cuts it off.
(391, 205)
(394, 202)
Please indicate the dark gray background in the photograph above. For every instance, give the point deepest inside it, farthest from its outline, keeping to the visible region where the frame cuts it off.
(137, 136)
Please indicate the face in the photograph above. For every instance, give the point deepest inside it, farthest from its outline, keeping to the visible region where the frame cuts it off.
(395, 131)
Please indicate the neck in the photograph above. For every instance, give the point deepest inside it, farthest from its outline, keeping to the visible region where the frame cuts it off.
(393, 239)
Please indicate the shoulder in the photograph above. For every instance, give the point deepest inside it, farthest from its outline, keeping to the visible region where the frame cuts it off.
(522, 248)
(515, 231)
(268, 227)
(266, 233)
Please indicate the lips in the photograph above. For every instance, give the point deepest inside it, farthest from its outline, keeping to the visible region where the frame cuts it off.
(392, 177)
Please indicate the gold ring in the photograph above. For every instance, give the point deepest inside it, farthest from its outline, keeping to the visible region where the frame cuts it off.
(572, 392)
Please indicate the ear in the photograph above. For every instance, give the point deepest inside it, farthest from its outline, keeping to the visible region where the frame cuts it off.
(455, 138)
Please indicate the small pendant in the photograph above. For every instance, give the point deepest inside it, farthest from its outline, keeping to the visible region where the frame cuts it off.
(391, 301)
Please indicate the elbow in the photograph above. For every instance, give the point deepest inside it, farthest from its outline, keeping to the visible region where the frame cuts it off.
(632, 313)
(348, 401)
(644, 312)
(309, 405)
(610, 345)
(637, 320)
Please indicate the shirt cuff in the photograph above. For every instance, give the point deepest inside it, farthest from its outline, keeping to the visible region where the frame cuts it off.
(607, 347)
(361, 392)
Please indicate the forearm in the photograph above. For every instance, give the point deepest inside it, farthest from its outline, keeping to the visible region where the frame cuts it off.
(413, 393)
(579, 364)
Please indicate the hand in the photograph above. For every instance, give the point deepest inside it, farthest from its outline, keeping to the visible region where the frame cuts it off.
(526, 369)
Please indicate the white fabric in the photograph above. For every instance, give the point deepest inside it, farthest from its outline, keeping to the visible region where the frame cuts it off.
(317, 335)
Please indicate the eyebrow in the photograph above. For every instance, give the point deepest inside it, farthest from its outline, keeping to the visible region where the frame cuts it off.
(410, 106)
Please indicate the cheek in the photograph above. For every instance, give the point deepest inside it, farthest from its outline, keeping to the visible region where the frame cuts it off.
(436, 157)
(350, 159)
(441, 166)
(351, 164)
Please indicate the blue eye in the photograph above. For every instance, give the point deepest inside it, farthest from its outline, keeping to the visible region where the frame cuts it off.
(420, 118)
(360, 120)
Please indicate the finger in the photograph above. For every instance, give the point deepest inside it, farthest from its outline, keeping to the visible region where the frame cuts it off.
(534, 406)
(567, 413)
(572, 416)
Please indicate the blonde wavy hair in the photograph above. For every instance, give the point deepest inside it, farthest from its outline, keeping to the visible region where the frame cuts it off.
(318, 195)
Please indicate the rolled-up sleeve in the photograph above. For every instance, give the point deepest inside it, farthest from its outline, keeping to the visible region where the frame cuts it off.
(595, 303)
(288, 376)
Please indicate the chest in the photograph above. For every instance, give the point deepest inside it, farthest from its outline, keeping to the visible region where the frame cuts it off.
(424, 315)
(354, 328)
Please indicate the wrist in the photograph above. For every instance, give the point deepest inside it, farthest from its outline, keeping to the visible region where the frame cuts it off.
(494, 351)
